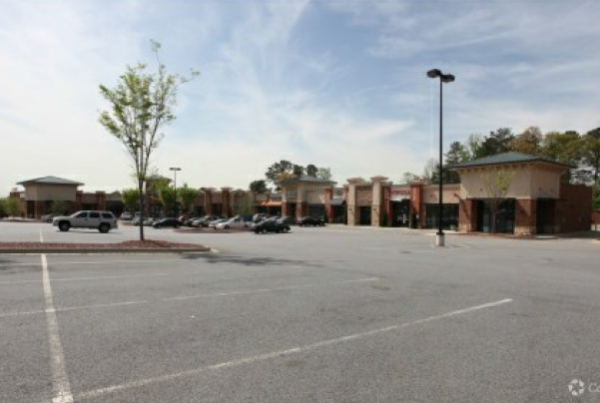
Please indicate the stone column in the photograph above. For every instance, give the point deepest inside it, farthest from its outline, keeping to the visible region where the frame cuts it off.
(377, 201)
(301, 204)
(351, 201)
(467, 215)
(525, 217)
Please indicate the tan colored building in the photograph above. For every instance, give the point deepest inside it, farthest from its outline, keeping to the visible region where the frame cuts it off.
(39, 194)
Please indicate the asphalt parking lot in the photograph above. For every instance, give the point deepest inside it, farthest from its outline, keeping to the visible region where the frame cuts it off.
(317, 315)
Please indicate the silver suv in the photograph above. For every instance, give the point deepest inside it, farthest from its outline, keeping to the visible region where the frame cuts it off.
(103, 221)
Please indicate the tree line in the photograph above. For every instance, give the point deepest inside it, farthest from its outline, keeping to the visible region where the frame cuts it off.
(285, 169)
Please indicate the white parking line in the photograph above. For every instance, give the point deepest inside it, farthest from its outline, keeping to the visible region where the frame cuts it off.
(282, 353)
(60, 381)
(86, 278)
(262, 290)
(186, 297)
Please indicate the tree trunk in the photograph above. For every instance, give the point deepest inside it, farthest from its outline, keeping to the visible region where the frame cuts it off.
(142, 208)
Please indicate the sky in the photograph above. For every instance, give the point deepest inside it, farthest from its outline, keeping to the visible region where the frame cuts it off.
(339, 84)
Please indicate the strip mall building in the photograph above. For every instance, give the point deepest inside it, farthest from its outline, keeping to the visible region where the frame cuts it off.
(534, 201)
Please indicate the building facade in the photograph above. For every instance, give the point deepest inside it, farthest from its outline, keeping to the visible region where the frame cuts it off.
(507, 193)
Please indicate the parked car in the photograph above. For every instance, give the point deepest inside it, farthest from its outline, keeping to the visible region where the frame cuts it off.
(258, 217)
(188, 222)
(204, 221)
(271, 225)
(148, 221)
(167, 223)
(126, 216)
(213, 224)
(47, 218)
(103, 221)
(311, 221)
(237, 222)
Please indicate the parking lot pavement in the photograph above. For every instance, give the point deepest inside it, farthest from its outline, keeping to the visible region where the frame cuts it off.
(324, 314)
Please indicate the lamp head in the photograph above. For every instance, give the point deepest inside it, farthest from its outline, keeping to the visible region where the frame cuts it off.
(447, 78)
(435, 73)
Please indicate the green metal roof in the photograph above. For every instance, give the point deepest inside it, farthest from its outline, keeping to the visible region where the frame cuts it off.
(51, 180)
(505, 158)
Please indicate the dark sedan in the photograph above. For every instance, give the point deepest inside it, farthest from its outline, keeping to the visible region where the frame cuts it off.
(311, 221)
(167, 223)
(271, 225)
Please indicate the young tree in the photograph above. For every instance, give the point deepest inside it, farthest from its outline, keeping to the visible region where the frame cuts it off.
(130, 198)
(258, 186)
(243, 205)
(496, 187)
(59, 207)
(12, 207)
(167, 196)
(187, 196)
(141, 104)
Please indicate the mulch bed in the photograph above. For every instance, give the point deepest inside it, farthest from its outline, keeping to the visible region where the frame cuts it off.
(127, 246)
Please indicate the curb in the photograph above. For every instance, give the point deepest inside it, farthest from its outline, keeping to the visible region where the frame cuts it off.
(103, 251)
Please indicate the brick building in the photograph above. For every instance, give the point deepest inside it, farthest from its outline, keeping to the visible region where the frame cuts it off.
(534, 202)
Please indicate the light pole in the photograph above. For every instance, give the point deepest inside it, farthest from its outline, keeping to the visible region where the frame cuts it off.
(444, 79)
(175, 170)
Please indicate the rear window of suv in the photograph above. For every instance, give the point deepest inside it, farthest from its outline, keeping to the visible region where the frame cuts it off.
(108, 216)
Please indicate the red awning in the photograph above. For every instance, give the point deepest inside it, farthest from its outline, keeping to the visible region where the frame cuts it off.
(271, 203)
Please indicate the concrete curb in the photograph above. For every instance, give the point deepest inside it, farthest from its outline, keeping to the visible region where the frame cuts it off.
(104, 251)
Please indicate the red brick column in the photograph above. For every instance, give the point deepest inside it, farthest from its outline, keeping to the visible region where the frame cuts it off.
(387, 204)
(328, 209)
(78, 200)
(101, 200)
(416, 198)
(226, 201)
(525, 217)
(208, 202)
(467, 215)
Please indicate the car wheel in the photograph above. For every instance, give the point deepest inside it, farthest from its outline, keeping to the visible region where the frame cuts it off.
(64, 226)
(104, 228)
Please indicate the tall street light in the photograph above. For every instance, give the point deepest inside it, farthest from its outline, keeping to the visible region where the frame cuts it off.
(175, 170)
(444, 79)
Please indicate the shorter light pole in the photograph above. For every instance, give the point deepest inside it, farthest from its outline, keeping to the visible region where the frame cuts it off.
(444, 79)
(175, 170)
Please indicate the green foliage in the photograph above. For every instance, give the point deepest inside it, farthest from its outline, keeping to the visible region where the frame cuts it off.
(130, 198)
(258, 186)
(187, 196)
(528, 142)
(496, 185)
(243, 205)
(167, 196)
(596, 197)
(324, 173)
(12, 207)
(141, 104)
(591, 153)
(3, 207)
(285, 169)
(312, 170)
(59, 207)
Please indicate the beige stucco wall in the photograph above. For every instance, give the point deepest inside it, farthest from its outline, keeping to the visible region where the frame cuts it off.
(529, 182)
(50, 192)
(311, 194)
(451, 194)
